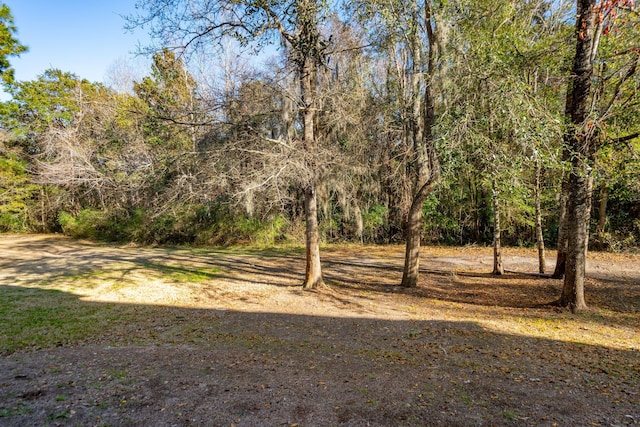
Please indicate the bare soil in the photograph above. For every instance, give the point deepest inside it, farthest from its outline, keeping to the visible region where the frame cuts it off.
(228, 338)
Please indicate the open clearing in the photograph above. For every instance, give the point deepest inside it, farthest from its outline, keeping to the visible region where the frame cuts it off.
(103, 335)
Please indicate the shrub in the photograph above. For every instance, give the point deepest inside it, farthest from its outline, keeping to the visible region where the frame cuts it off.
(227, 227)
(373, 222)
(16, 193)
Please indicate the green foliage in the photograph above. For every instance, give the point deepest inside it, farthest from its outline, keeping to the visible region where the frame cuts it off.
(229, 228)
(143, 167)
(52, 99)
(9, 45)
(106, 225)
(87, 224)
(191, 224)
(440, 225)
(168, 96)
(373, 221)
(16, 192)
(120, 226)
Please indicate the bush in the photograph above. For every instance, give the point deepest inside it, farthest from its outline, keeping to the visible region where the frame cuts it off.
(104, 225)
(226, 227)
(191, 224)
(373, 222)
(615, 242)
(86, 225)
(439, 226)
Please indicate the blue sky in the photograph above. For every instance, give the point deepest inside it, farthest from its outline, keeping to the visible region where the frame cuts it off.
(81, 36)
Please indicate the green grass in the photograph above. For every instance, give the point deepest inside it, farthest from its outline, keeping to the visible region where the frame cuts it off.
(39, 318)
(46, 313)
(33, 318)
(181, 274)
(510, 414)
(256, 250)
(20, 409)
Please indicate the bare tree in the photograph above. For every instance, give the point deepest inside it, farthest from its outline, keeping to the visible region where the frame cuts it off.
(189, 24)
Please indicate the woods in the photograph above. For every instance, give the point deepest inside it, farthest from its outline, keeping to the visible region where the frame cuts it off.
(449, 122)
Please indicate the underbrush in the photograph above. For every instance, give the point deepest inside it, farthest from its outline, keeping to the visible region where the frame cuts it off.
(189, 225)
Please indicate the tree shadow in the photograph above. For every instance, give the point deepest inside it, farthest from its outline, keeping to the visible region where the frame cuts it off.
(347, 271)
(613, 302)
(69, 361)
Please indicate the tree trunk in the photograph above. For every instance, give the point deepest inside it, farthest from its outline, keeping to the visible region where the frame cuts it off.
(359, 231)
(425, 163)
(313, 272)
(539, 235)
(498, 269)
(587, 219)
(602, 209)
(563, 225)
(578, 214)
(309, 84)
(580, 142)
(288, 115)
(413, 234)
(43, 216)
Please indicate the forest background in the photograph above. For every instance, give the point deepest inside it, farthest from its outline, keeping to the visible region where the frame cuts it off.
(450, 114)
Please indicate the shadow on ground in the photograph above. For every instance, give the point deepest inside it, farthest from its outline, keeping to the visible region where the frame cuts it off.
(125, 364)
(463, 278)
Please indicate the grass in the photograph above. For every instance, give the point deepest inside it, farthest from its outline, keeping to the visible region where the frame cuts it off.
(20, 409)
(39, 319)
(59, 309)
(510, 415)
(47, 312)
(181, 274)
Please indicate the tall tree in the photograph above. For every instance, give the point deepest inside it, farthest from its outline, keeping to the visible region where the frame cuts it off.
(169, 94)
(542, 265)
(593, 20)
(500, 117)
(422, 116)
(409, 32)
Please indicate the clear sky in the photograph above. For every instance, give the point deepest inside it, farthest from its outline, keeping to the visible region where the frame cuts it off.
(85, 37)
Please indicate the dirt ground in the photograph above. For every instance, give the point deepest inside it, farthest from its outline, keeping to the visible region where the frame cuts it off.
(228, 338)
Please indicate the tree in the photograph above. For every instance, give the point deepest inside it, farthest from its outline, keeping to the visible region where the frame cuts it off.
(584, 130)
(191, 24)
(499, 122)
(616, 176)
(542, 265)
(172, 121)
(409, 32)
(425, 167)
(169, 95)
(61, 123)
(9, 45)
(16, 190)
(38, 104)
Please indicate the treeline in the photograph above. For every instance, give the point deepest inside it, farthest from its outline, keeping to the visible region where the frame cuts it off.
(220, 156)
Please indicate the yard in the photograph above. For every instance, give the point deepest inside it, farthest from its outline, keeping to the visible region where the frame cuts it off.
(92, 334)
